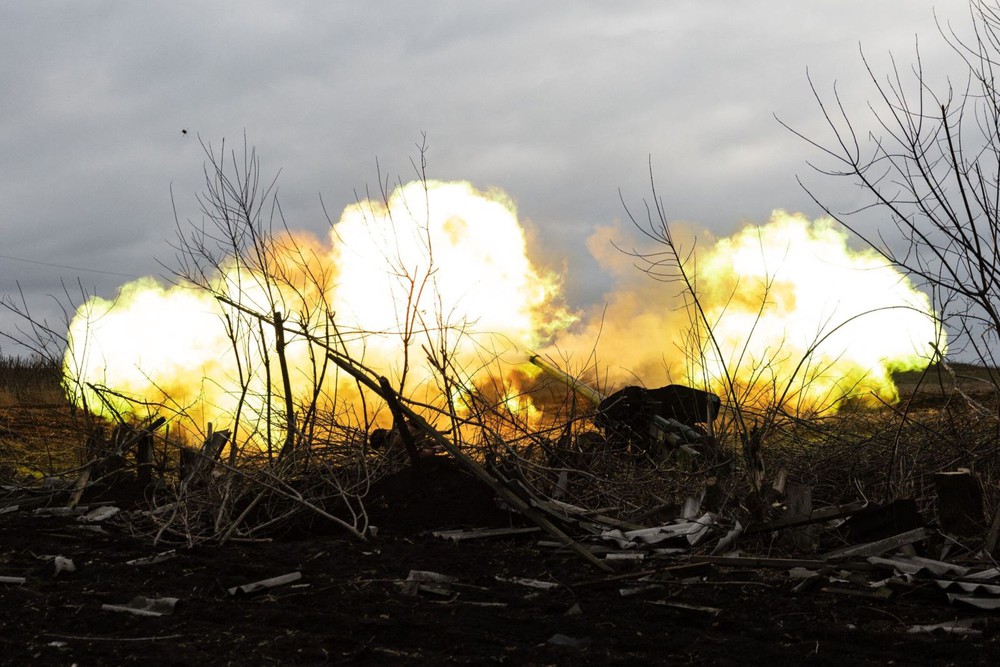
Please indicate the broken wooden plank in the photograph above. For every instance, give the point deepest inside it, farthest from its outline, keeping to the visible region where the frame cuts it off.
(816, 516)
(878, 547)
(639, 589)
(427, 576)
(154, 559)
(753, 563)
(961, 627)
(264, 584)
(143, 606)
(625, 556)
(530, 583)
(482, 534)
(81, 484)
(714, 611)
(413, 588)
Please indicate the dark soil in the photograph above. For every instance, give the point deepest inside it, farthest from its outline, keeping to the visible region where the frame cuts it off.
(350, 605)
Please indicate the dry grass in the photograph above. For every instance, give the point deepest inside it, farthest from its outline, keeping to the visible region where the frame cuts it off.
(40, 435)
(30, 381)
(939, 383)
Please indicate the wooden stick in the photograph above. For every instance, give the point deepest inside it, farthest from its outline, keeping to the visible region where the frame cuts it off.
(753, 562)
(279, 348)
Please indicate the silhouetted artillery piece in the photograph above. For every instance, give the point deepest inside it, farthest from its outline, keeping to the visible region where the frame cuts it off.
(671, 417)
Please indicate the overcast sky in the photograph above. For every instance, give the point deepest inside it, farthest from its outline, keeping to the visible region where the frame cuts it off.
(560, 104)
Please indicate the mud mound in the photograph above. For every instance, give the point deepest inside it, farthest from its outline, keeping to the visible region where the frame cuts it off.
(438, 494)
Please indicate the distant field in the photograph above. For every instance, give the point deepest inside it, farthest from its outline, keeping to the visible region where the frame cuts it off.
(937, 381)
(37, 382)
(37, 431)
(25, 382)
(33, 381)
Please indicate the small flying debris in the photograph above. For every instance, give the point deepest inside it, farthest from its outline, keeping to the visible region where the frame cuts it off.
(184, 131)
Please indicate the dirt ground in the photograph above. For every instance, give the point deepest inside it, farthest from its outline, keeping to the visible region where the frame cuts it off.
(351, 603)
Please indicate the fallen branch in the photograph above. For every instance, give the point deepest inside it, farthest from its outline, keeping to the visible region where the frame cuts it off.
(508, 495)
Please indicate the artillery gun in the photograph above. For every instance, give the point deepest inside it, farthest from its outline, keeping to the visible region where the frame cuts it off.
(668, 418)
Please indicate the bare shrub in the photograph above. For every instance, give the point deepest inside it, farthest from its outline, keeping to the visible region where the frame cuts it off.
(928, 168)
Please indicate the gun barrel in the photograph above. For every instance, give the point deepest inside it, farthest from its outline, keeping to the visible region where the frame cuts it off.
(573, 383)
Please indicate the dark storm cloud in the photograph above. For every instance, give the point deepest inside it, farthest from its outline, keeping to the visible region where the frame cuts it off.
(560, 104)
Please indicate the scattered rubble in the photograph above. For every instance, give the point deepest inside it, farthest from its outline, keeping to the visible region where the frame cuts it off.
(698, 572)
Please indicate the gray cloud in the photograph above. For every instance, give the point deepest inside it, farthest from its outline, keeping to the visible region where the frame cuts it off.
(559, 104)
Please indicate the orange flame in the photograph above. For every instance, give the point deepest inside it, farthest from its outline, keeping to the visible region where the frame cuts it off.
(792, 317)
(797, 318)
(437, 266)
